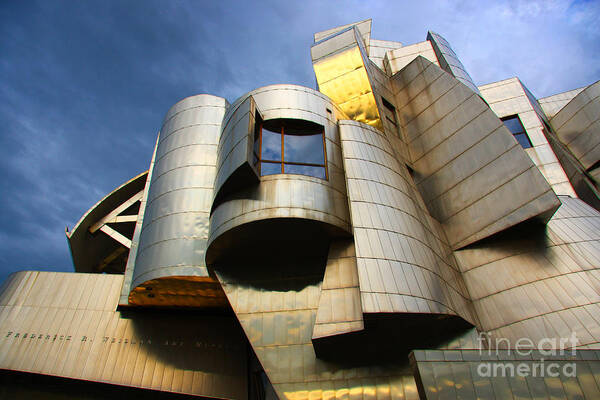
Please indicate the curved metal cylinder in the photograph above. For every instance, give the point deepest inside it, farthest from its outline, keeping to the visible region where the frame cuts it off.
(283, 196)
(404, 263)
(175, 228)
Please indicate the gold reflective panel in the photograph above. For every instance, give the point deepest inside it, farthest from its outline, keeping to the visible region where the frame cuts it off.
(343, 77)
(180, 291)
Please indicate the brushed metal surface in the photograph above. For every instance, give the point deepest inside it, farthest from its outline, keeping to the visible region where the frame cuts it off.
(286, 196)
(451, 374)
(341, 68)
(174, 230)
(66, 324)
(553, 104)
(448, 60)
(509, 97)
(404, 263)
(541, 282)
(474, 177)
(396, 60)
(278, 317)
(577, 125)
(340, 309)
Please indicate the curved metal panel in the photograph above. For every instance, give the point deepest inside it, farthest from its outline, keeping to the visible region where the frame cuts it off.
(537, 283)
(89, 252)
(172, 244)
(577, 125)
(235, 167)
(404, 263)
(449, 61)
(288, 195)
(474, 177)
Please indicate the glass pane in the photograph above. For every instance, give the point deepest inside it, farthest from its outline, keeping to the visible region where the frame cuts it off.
(271, 145)
(513, 124)
(317, 172)
(523, 140)
(304, 148)
(269, 168)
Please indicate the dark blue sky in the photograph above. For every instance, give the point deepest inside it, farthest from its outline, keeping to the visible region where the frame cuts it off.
(84, 85)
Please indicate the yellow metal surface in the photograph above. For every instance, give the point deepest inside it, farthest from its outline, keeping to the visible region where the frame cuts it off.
(343, 77)
(278, 317)
(179, 291)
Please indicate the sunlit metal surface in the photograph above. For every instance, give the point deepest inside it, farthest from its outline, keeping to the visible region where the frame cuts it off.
(509, 97)
(341, 73)
(404, 262)
(448, 60)
(66, 325)
(175, 227)
(540, 282)
(278, 317)
(452, 374)
(553, 104)
(287, 196)
(474, 177)
(396, 60)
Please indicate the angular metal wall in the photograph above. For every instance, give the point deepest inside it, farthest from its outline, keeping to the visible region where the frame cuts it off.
(449, 62)
(577, 125)
(510, 97)
(66, 325)
(541, 282)
(475, 178)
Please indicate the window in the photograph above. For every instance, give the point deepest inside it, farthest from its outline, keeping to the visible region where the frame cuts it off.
(290, 146)
(390, 112)
(514, 125)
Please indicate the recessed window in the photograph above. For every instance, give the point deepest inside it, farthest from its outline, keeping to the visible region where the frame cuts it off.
(290, 146)
(514, 125)
(390, 112)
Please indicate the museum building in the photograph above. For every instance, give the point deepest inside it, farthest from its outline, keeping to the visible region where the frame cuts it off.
(398, 233)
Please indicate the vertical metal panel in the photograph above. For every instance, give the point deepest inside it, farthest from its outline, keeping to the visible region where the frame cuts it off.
(174, 230)
(340, 310)
(404, 263)
(92, 341)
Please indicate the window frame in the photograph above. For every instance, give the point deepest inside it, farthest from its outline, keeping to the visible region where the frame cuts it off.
(523, 132)
(259, 160)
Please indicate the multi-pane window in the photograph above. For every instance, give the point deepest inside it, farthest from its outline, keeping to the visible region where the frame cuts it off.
(514, 125)
(290, 146)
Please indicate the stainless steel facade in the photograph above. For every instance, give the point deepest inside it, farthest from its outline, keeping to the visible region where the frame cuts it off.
(430, 228)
